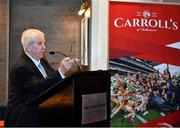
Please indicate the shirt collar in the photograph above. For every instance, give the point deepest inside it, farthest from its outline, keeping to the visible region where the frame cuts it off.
(36, 62)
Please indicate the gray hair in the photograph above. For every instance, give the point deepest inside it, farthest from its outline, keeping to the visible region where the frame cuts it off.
(29, 37)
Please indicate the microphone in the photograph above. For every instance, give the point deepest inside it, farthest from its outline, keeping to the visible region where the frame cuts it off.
(53, 52)
(74, 59)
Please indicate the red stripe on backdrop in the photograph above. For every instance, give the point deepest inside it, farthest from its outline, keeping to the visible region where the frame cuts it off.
(155, 52)
(120, 53)
(144, 30)
(172, 119)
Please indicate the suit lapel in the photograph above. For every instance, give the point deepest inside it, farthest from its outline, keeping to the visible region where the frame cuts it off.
(31, 64)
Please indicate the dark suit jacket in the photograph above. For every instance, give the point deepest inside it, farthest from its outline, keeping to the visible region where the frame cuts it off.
(26, 83)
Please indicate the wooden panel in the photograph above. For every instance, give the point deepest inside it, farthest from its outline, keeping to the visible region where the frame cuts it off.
(57, 18)
(3, 49)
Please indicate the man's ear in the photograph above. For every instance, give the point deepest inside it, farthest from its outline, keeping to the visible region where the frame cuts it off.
(29, 48)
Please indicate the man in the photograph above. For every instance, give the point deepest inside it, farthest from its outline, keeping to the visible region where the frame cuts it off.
(31, 75)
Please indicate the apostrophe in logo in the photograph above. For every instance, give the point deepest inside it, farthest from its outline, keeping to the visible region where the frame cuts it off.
(146, 14)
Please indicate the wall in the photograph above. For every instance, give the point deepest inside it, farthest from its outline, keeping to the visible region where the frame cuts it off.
(99, 35)
(3, 49)
(57, 18)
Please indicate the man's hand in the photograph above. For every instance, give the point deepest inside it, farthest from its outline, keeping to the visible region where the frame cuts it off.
(65, 65)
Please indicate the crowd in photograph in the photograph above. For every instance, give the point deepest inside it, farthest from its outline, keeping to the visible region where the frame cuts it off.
(138, 93)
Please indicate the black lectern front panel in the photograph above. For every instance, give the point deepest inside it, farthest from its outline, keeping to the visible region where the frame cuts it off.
(83, 99)
(92, 92)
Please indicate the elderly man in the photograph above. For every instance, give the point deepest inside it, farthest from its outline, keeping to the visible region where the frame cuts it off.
(31, 75)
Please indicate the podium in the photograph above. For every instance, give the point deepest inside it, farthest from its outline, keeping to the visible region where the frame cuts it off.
(82, 99)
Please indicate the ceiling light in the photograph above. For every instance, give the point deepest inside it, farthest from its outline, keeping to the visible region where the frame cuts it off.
(82, 9)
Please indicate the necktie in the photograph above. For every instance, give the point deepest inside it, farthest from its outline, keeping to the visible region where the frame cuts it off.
(42, 70)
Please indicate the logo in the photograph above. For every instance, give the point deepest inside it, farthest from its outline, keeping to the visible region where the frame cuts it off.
(146, 14)
(146, 21)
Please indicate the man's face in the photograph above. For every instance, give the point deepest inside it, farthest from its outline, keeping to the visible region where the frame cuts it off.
(38, 48)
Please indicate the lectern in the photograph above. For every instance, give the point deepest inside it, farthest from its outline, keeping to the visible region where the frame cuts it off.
(82, 99)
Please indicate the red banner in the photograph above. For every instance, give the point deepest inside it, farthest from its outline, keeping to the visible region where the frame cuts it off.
(172, 119)
(145, 31)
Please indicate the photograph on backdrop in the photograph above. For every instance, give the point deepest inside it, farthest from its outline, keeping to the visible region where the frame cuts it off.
(142, 90)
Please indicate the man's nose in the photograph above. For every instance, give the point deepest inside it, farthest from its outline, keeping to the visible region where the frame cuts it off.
(43, 46)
